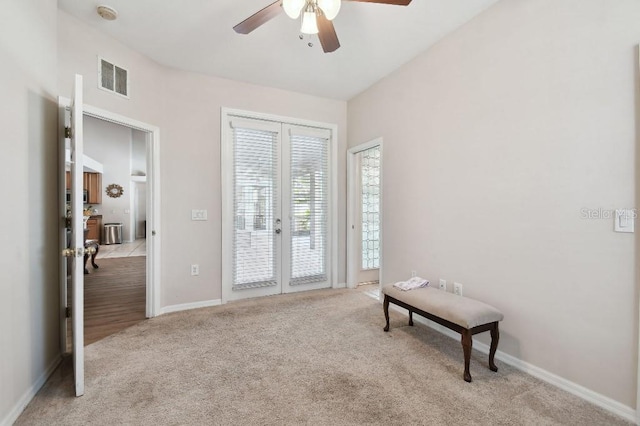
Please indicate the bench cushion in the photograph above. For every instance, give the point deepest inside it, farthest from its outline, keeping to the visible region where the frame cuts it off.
(460, 310)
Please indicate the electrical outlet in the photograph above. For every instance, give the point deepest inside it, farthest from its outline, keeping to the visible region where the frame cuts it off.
(413, 274)
(195, 270)
(443, 284)
(457, 289)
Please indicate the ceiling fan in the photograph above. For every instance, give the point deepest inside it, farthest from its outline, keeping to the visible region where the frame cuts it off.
(316, 17)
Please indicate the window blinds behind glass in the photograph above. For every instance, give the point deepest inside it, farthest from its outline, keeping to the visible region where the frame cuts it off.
(309, 207)
(255, 197)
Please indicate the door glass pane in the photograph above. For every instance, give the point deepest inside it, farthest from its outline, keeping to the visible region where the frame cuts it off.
(309, 208)
(255, 193)
(370, 208)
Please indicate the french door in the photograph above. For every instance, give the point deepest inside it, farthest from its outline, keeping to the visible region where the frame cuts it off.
(277, 236)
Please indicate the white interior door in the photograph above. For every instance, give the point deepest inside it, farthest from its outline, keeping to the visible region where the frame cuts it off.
(277, 235)
(77, 236)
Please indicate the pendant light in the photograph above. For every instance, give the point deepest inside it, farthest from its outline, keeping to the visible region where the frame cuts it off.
(309, 21)
(330, 8)
(293, 7)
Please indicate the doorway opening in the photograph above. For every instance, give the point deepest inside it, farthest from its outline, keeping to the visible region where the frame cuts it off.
(364, 212)
(115, 293)
(123, 289)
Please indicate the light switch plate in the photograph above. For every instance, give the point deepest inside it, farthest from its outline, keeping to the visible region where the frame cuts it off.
(198, 214)
(624, 220)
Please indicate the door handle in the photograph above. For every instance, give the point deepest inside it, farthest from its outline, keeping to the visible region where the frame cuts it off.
(79, 252)
(278, 231)
(68, 253)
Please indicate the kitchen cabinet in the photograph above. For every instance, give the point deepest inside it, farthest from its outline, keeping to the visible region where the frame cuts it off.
(94, 228)
(93, 185)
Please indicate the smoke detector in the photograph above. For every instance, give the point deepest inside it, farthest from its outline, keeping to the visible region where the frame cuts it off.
(108, 13)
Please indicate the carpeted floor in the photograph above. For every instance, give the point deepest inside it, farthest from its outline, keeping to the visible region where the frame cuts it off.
(310, 358)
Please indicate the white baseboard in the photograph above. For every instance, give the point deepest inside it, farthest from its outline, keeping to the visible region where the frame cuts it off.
(26, 398)
(600, 400)
(187, 306)
(340, 285)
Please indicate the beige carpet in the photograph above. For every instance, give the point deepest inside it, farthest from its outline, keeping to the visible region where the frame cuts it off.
(314, 358)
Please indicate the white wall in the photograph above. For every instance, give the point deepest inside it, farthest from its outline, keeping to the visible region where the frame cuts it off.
(29, 318)
(138, 153)
(139, 168)
(140, 208)
(495, 140)
(110, 145)
(186, 107)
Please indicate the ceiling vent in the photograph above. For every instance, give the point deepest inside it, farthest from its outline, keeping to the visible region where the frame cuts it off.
(113, 78)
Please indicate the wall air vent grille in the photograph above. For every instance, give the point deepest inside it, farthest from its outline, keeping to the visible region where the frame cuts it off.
(113, 78)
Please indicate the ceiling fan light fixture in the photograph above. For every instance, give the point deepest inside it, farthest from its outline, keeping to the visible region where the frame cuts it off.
(330, 8)
(293, 7)
(309, 23)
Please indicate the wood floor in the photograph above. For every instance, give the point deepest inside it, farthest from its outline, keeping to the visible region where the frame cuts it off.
(114, 296)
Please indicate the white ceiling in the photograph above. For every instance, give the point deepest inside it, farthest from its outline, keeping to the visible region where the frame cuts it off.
(197, 35)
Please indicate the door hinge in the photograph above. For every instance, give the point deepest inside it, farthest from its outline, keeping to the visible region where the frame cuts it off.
(67, 312)
(67, 132)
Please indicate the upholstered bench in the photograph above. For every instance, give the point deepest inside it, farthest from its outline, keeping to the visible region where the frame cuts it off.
(461, 314)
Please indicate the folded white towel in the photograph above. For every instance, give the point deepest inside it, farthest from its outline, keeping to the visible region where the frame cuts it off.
(415, 282)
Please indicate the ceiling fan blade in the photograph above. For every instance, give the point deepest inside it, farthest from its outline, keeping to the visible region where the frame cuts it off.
(394, 2)
(327, 34)
(259, 18)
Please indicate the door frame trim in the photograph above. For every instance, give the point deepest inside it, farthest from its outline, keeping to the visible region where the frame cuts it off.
(227, 221)
(153, 269)
(352, 255)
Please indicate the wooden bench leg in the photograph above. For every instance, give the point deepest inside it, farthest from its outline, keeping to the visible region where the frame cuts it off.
(495, 337)
(411, 318)
(386, 311)
(466, 347)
